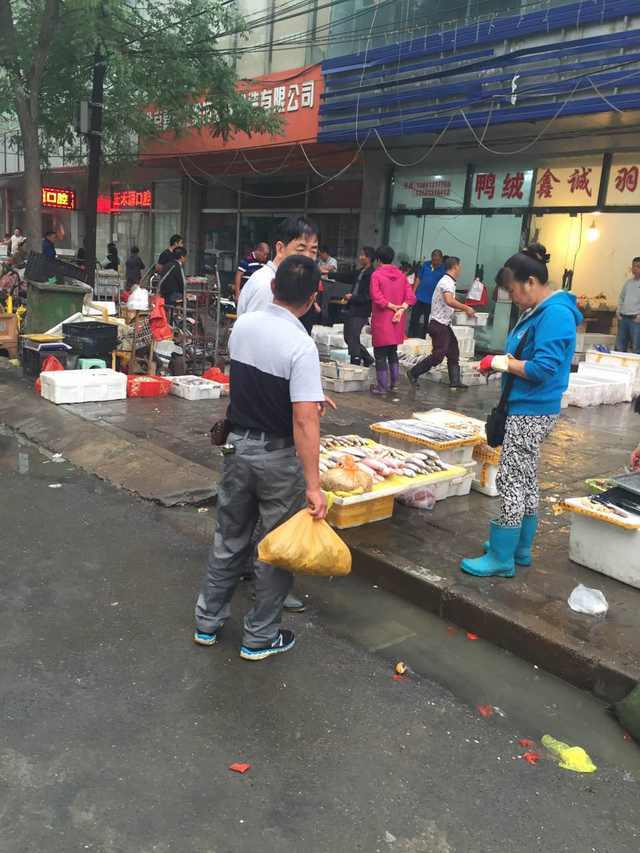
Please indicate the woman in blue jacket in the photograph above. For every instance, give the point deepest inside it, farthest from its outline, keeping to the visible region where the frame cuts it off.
(541, 376)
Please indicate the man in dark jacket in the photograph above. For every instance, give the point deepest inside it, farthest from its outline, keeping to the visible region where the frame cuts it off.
(172, 279)
(48, 245)
(359, 309)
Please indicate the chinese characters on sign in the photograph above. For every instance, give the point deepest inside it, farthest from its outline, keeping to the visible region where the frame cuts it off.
(429, 189)
(507, 188)
(62, 199)
(285, 99)
(131, 200)
(571, 186)
(624, 183)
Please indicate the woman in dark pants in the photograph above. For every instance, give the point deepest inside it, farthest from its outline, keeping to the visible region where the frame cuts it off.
(359, 309)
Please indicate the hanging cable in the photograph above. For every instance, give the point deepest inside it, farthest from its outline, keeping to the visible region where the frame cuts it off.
(421, 158)
(269, 172)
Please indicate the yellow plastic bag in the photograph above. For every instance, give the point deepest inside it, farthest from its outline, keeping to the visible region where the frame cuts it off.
(306, 546)
(570, 757)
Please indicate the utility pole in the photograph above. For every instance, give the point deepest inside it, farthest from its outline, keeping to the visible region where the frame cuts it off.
(94, 143)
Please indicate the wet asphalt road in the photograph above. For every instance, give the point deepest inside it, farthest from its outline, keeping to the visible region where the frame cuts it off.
(117, 732)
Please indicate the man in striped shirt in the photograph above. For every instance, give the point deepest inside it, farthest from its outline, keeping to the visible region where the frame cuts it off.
(254, 261)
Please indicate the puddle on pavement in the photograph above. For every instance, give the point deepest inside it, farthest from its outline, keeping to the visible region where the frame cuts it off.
(478, 673)
(19, 456)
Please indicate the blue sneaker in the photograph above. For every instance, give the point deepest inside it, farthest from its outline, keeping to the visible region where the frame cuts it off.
(283, 642)
(203, 639)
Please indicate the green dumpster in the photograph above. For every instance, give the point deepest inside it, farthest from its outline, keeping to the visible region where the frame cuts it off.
(50, 304)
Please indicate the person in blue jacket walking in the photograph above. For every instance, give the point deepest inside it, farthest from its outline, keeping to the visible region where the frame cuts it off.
(541, 376)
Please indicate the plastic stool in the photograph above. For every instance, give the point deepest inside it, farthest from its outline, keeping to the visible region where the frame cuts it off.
(90, 363)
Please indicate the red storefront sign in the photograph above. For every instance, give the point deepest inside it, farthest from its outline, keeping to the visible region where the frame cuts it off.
(59, 197)
(131, 200)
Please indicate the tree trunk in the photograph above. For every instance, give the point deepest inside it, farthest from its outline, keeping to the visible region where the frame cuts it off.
(32, 182)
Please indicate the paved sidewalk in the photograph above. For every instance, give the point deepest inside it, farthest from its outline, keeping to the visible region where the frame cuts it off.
(415, 554)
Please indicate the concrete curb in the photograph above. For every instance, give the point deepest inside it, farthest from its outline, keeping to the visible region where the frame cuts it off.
(112, 454)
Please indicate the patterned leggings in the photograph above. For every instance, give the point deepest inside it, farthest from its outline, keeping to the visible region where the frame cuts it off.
(518, 473)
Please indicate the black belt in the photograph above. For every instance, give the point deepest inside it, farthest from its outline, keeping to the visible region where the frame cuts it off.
(629, 316)
(272, 442)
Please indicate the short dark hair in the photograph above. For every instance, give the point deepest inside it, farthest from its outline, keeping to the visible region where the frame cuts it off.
(324, 248)
(437, 252)
(296, 280)
(385, 254)
(636, 261)
(531, 261)
(175, 238)
(49, 231)
(135, 250)
(180, 252)
(370, 252)
(450, 262)
(296, 226)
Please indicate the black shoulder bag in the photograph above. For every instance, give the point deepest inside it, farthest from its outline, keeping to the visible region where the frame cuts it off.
(497, 419)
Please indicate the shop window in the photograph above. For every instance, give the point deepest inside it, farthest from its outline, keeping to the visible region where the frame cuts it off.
(340, 232)
(267, 193)
(164, 225)
(218, 196)
(167, 195)
(346, 194)
(218, 237)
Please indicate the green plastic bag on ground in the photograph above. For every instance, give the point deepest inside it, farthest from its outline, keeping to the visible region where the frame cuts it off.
(628, 712)
(306, 546)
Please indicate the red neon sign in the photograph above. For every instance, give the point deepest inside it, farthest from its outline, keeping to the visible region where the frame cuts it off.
(131, 200)
(63, 199)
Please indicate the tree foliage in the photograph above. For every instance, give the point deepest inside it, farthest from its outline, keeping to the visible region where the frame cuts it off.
(159, 54)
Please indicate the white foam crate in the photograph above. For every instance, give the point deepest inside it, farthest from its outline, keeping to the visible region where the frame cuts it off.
(621, 360)
(606, 548)
(336, 340)
(463, 333)
(339, 355)
(621, 380)
(415, 347)
(342, 386)
(329, 369)
(351, 372)
(587, 340)
(83, 386)
(195, 388)
(462, 455)
(460, 318)
(457, 487)
(484, 479)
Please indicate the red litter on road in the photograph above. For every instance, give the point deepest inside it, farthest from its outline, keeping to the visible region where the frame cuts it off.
(531, 757)
(485, 710)
(526, 743)
(472, 636)
(239, 768)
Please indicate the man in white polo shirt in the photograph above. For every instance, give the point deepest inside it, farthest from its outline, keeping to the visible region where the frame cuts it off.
(297, 236)
(273, 470)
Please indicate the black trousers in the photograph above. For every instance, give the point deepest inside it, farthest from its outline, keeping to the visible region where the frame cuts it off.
(445, 345)
(419, 316)
(352, 329)
(386, 356)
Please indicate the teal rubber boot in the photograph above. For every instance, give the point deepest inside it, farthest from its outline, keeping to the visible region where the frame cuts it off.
(499, 559)
(527, 535)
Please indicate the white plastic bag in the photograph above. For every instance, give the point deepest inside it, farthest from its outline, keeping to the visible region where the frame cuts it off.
(418, 498)
(583, 599)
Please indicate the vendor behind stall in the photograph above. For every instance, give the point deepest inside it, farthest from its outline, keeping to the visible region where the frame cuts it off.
(359, 308)
(172, 282)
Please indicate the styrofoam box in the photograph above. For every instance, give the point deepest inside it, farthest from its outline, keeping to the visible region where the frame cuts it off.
(624, 360)
(464, 332)
(583, 392)
(195, 388)
(83, 386)
(484, 479)
(605, 548)
(338, 327)
(350, 372)
(415, 346)
(613, 376)
(587, 340)
(342, 386)
(329, 369)
(336, 339)
(455, 456)
(457, 487)
(339, 354)
(460, 318)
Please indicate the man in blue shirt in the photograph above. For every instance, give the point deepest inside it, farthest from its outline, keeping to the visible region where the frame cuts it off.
(430, 274)
(48, 245)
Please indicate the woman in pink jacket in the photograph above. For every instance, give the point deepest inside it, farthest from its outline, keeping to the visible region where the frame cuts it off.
(391, 295)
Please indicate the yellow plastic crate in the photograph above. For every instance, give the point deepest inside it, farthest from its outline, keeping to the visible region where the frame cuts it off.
(357, 514)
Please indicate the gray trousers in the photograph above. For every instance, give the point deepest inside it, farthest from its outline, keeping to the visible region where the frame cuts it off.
(259, 490)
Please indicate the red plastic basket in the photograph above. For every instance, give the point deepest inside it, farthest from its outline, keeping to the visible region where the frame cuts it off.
(147, 386)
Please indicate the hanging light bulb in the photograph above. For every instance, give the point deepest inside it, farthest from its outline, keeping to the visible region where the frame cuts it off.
(593, 233)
